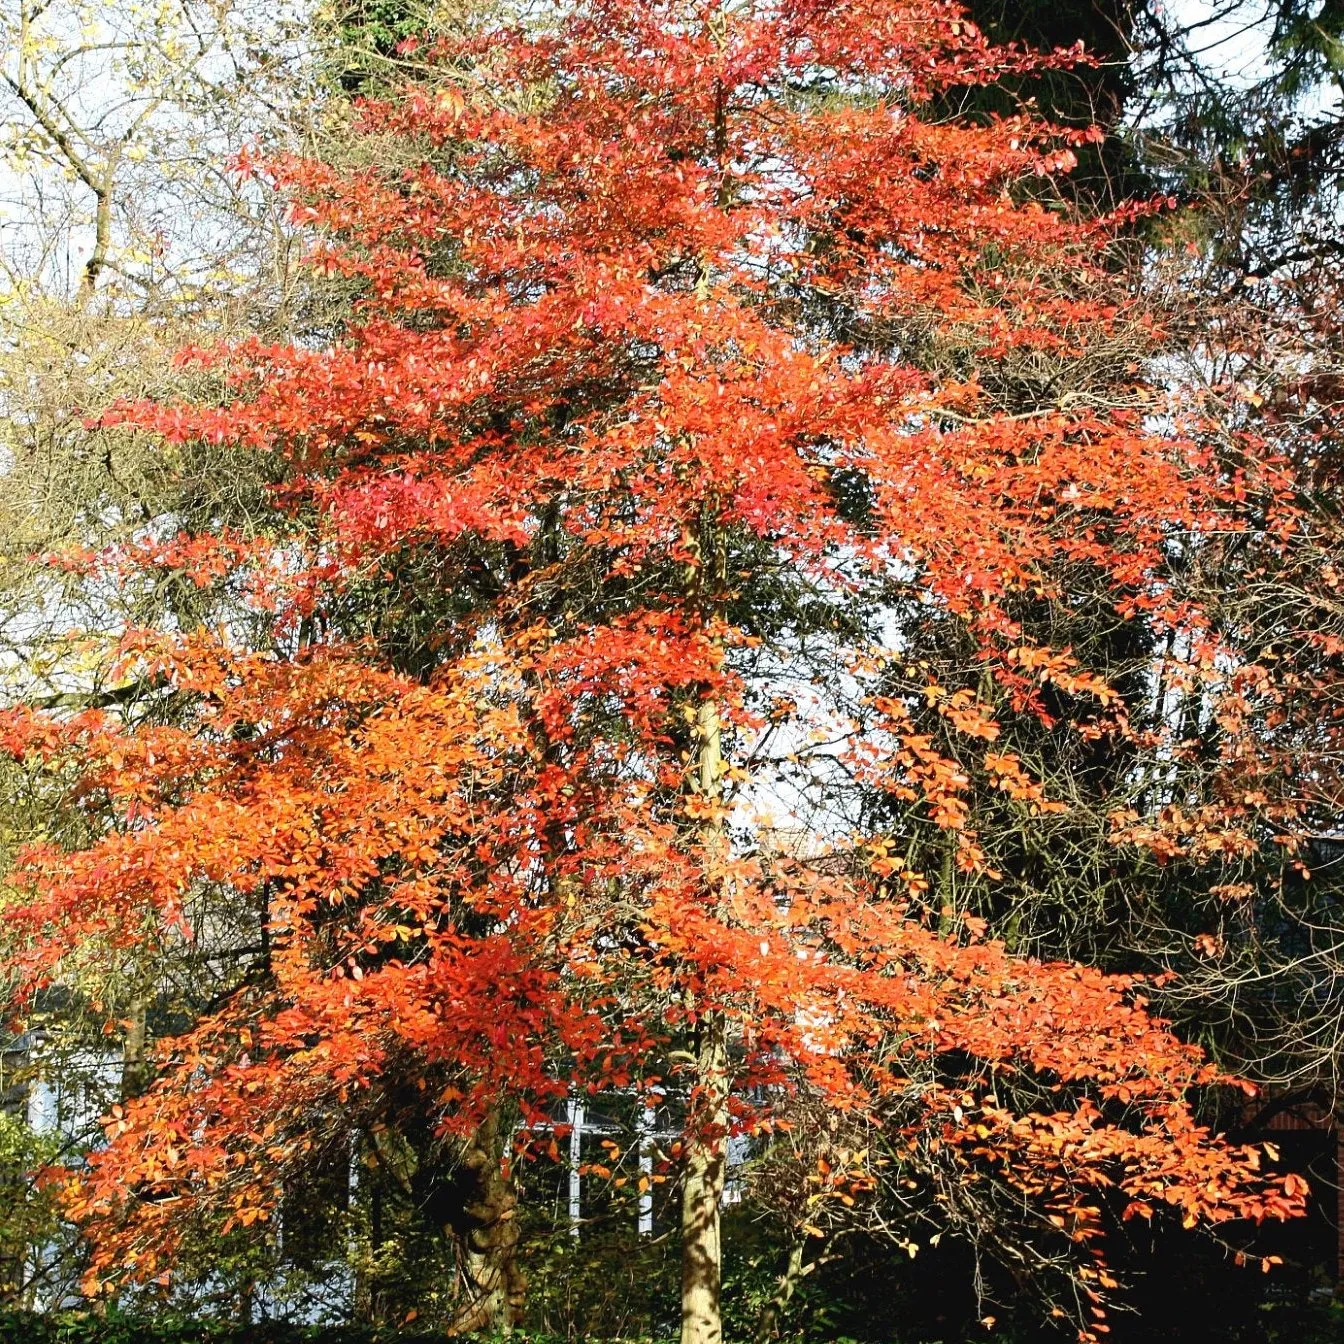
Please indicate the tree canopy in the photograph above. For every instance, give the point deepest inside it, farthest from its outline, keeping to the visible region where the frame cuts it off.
(736, 584)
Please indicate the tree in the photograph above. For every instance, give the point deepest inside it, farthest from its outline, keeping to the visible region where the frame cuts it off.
(122, 237)
(1224, 871)
(183, 246)
(680, 347)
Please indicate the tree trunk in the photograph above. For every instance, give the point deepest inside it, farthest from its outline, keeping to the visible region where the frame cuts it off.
(768, 1325)
(493, 1288)
(135, 1050)
(705, 1153)
(703, 1166)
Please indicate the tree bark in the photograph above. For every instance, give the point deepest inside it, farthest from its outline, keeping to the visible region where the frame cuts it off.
(794, 1272)
(493, 1288)
(135, 1050)
(703, 1173)
(704, 1156)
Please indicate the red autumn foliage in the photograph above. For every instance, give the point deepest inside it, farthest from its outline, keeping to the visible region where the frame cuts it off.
(659, 282)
